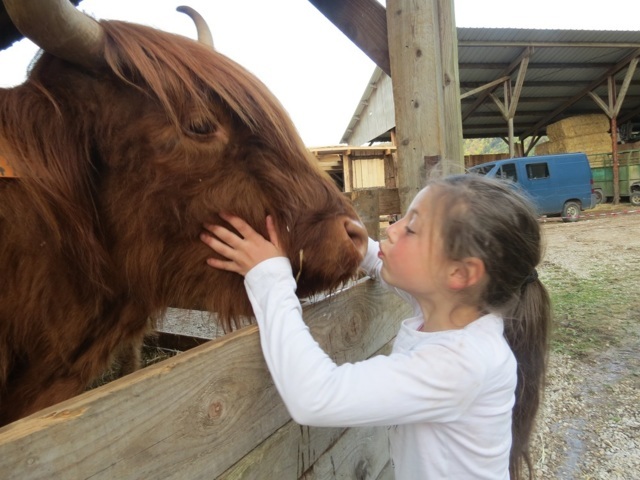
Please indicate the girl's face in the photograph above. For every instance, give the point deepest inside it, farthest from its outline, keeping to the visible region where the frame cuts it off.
(412, 256)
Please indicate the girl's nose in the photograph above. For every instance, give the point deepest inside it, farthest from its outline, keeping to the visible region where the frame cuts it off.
(392, 231)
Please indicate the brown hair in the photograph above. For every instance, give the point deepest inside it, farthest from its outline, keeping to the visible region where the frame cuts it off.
(490, 220)
(119, 167)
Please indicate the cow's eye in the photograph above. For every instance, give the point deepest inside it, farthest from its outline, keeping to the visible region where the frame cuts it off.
(201, 127)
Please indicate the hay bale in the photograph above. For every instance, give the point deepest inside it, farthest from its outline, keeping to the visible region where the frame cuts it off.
(589, 144)
(578, 126)
(545, 148)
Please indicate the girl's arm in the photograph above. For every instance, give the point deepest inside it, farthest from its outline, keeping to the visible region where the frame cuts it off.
(371, 264)
(432, 384)
(435, 383)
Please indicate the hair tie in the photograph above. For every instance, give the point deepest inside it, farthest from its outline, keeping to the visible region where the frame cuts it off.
(532, 277)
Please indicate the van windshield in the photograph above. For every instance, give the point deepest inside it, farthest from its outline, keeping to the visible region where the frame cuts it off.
(482, 169)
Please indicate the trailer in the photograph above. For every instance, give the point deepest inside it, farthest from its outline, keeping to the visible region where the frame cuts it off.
(628, 176)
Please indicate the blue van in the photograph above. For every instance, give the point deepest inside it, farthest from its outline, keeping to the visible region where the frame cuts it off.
(559, 185)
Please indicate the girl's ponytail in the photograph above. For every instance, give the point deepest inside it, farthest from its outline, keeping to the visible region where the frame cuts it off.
(527, 332)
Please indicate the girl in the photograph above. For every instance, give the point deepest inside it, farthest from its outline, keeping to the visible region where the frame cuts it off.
(463, 383)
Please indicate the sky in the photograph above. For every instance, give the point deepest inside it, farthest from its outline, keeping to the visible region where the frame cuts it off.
(317, 73)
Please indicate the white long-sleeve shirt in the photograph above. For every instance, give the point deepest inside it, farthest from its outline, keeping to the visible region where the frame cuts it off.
(447, 396)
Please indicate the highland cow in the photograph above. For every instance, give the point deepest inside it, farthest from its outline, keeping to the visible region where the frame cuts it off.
(124, 141)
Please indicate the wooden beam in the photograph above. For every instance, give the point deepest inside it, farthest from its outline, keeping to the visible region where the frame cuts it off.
(539, 44)
(533, 84)
(625, 86)
(527, 52)
(554, 99)
(596, 83)
(515, 95)
(426, 91)
(364, 22)
(484, 87)
(536, 66)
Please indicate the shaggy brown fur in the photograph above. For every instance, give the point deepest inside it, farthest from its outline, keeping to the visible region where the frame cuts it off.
(119, 168)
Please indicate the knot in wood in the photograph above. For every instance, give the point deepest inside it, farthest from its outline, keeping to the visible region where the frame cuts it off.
(215, 410)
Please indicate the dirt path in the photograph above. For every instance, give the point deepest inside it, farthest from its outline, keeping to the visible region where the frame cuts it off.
(590, 421)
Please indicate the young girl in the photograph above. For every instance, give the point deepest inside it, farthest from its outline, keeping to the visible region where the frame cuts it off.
(462, 386)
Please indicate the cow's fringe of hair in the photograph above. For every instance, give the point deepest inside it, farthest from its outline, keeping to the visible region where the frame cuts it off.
(171, 70)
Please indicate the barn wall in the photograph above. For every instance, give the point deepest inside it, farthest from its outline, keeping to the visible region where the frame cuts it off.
(359, 167)
(376, 115)
(211, 412)
(368, 173)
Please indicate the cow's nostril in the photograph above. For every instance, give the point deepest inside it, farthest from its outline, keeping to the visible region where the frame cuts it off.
(358, 234)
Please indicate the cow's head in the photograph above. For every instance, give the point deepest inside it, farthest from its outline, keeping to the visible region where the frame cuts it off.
(132, 138)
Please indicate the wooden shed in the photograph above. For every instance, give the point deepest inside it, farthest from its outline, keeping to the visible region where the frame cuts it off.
(355, 168)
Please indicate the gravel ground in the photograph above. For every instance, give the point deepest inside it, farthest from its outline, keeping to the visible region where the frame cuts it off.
(589, 424)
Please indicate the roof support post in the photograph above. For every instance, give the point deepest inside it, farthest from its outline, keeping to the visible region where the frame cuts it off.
(426, 90)
(511, 96)
(612, 110)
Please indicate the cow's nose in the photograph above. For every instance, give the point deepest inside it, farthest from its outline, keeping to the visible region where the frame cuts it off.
(358, 234)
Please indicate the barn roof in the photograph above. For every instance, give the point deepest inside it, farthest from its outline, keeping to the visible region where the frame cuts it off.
(564, 66)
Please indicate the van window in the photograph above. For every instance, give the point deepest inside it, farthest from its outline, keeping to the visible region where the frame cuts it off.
(508, 172)
(537, 170)
(482, 169)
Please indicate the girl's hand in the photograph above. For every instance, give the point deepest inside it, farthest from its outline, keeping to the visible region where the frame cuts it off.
(243, 252)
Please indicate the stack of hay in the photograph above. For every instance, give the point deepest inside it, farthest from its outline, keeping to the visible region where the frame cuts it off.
(584, 133)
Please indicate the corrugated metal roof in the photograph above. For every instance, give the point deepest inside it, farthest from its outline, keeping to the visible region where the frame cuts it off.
(564, 66)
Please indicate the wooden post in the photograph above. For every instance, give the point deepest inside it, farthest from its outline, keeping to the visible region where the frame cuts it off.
(426, 91)
(366, 203)
(616, 163)
(347, 171)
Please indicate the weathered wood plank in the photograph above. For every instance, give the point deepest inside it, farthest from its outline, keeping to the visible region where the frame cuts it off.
(388, 200)
(387, 473)
(366, 203)
(193, 415)
(360, 453)
(292, 450)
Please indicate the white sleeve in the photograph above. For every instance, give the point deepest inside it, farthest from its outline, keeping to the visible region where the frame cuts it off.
(436, 383)
(371, 264)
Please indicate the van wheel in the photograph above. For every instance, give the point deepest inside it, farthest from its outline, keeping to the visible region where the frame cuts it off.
(634, 198)
(600, 198)
(571, 212)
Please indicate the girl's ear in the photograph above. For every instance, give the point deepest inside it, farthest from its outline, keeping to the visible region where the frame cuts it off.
(466, 273)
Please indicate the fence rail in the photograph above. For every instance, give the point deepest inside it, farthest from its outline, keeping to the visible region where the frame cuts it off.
(211, 412)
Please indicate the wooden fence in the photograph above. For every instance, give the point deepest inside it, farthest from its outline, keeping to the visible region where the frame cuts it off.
(212, 412)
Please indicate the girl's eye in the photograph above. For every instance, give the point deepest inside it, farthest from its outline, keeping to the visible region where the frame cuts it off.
(409, 231)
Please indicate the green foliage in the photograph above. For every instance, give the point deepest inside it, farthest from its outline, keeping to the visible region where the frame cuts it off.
(479, 146)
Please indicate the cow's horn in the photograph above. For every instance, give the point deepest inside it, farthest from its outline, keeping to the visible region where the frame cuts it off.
(59, 28)
(204, 34)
